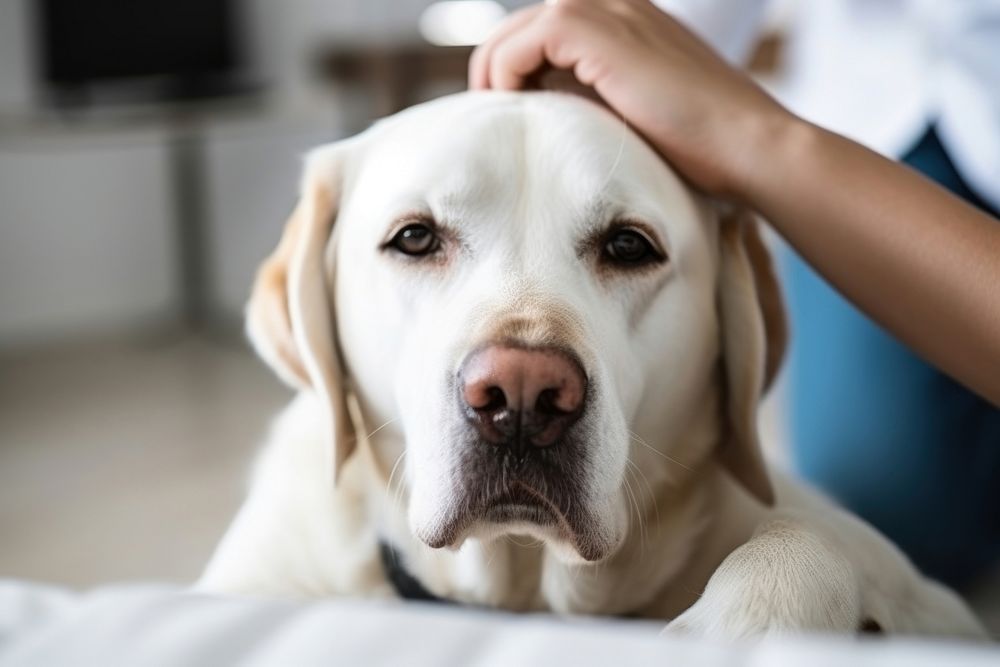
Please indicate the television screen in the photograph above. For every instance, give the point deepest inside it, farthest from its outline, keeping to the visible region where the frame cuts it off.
(192, 45)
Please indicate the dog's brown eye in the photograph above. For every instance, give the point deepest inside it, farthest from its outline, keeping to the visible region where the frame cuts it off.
(627, 246)
(416, 239)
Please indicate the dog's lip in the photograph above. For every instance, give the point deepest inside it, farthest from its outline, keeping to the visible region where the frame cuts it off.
(520, 493)
(518, 502)
(526, 505)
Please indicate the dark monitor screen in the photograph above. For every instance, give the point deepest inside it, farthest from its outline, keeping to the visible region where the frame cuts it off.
(85, 42)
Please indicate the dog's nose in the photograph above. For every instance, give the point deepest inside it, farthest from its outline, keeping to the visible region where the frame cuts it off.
(522, 397)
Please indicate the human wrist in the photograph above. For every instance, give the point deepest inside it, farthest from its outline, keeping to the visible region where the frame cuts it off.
(774, 141)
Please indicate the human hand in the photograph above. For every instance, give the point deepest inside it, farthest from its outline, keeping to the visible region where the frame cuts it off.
(709, 120)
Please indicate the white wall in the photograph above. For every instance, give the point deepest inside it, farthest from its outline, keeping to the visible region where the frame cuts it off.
(16, 56)
(88, 233)
(85, 237)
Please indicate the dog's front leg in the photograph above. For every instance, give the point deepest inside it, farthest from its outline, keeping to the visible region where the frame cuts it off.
(787, 578)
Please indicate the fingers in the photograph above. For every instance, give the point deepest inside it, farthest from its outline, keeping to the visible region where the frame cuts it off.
(479, 63)
(557, 34)
(518, 56)
(563, 36)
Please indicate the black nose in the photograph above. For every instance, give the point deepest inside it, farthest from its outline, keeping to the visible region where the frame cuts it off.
(522, 398)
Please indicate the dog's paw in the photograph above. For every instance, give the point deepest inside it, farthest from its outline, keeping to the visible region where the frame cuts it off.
(784, 581)
(752, 616)
(718, 623)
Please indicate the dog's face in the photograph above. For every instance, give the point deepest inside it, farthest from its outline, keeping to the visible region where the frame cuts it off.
(519, 284)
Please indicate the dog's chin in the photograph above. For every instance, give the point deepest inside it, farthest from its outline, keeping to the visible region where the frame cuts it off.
(573, 537)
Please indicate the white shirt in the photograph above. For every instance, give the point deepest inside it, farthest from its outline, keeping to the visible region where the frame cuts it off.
(881, 71)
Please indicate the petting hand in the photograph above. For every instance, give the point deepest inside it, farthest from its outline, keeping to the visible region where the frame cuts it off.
(707, 119)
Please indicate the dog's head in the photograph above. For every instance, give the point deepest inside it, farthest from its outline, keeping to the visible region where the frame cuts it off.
(520, 290)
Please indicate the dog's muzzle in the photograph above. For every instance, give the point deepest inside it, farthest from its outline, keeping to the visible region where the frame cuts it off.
(524, 452)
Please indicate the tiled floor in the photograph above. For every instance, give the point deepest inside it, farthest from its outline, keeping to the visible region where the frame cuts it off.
(126, 462)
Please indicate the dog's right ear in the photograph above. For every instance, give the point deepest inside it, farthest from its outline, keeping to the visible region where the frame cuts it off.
(291, 316)
(753, 337)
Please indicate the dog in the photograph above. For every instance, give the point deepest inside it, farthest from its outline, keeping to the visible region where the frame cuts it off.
(529, 359)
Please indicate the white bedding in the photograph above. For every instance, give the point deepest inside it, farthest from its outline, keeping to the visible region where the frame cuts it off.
(153, 625)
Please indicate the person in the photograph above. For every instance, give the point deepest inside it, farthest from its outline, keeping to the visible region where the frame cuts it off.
(918, 456)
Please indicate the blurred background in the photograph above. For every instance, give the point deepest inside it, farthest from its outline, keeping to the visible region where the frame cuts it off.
(149, 153)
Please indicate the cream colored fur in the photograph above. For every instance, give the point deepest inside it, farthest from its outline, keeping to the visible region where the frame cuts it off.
(680, 499)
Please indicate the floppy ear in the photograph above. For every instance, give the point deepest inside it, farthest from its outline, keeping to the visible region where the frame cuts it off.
(769, 298)
(754, 332)
(291, 317)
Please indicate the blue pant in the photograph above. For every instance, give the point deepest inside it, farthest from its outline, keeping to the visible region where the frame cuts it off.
(890, 437)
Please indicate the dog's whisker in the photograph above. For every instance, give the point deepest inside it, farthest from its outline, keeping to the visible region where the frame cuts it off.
(394, 419)
(628, 495)
(634, 436)
(652, 496)
(643, 524)
(643, 527)
(649, 489)
(392, 472)
(634, 505)
(398, 492)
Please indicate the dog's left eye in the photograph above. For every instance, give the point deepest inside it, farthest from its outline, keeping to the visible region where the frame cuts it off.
(628, 246)
(415, 240)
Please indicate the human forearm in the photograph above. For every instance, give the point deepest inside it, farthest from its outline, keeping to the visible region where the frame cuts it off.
(920, 261)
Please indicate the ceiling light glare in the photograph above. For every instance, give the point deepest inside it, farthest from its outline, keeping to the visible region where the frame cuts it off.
(460, 22)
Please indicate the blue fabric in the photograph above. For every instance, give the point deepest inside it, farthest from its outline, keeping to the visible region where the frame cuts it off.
(887, 435)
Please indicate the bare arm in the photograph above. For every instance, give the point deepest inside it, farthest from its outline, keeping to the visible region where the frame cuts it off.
(920, 261)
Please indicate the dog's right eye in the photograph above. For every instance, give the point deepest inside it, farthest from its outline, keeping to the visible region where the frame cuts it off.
(415, 240)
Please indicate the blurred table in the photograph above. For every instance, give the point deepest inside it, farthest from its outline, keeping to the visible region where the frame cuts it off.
(396, 76)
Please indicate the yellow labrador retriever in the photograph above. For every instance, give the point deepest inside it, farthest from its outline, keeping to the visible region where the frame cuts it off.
(529, 360)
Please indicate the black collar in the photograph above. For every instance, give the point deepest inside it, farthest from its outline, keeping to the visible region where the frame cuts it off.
(406, 585)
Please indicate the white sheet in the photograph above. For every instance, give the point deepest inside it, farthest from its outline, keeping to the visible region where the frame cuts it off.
(154, 625)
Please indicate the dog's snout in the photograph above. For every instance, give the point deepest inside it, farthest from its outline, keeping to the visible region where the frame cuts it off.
(522, 397)
(541, 380)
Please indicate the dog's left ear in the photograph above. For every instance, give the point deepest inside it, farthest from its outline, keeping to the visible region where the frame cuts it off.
(291, 317)
(754, 334)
